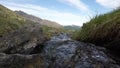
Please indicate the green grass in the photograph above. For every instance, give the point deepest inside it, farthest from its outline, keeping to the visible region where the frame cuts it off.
(9, 20)
(51, 31)
(101, 28)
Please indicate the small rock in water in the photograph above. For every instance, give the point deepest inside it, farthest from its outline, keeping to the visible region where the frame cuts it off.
(61, 37)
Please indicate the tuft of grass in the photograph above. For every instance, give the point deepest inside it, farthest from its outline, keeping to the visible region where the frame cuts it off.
(100, 29)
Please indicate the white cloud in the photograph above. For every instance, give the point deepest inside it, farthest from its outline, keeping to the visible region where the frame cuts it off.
(109, 3)
(46, 13)
(77, 4)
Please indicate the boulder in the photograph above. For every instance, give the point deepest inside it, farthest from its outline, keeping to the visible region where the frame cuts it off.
(21, 61)
(23, 40)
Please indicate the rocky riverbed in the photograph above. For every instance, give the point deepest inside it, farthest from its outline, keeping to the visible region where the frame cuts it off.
(59, 52)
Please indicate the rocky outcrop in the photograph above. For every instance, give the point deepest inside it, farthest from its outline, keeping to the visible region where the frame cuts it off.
(23, 40)
(21, 61)
(17, 46)
(90, 56)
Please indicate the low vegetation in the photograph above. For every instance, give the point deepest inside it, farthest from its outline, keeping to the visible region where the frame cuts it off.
(9, 20)
(71, 29)
(51, 31)
(101, 30)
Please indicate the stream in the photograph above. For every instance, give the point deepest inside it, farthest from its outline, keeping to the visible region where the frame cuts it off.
(63, 52)
(59, 52)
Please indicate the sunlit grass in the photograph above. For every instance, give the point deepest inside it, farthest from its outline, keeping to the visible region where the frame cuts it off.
(99, 27)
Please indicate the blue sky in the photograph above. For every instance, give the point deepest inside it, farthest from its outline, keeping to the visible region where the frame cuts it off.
(65, 12)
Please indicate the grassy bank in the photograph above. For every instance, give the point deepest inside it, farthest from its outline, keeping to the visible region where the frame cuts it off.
(102, 29)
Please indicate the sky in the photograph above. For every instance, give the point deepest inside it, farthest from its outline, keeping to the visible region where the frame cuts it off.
(64, 12)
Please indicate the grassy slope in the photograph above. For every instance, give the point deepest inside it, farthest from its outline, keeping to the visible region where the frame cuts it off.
(39, 20)
(9, 20)
(51, 31)
(101, 29)
(50, 28)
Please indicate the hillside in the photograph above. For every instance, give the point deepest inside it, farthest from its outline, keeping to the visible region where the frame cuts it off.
(103, 30)
(39, 20)
(72, 27)
(49, 28)
(17, 32)
(9, 20)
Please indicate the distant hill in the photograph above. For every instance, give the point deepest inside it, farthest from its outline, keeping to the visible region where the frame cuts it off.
(39, 20)
(72, 27)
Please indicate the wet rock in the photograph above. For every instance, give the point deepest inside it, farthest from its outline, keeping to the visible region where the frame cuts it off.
(23, 40)
(61, 37)
(73, 54)
(90, 56)
(60, 52)
(21, 61)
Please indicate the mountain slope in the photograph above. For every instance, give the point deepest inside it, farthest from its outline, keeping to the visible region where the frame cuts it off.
(29, 17)
(9, 20)
(17, 32)
(39, 20)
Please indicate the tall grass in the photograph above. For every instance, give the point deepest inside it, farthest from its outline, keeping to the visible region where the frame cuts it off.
(98, 24)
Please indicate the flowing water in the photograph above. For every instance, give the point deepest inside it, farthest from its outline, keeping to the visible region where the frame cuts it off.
(63, 52)
(60, 52)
